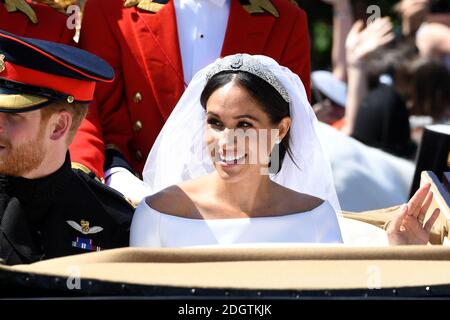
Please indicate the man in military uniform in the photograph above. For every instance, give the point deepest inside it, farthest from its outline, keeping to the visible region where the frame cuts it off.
(156, 47)
(36, 20)
(48, 209)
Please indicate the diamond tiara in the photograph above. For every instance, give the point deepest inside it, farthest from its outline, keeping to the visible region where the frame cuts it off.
(245, 62)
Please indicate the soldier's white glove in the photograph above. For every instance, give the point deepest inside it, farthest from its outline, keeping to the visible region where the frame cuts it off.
(127, 184)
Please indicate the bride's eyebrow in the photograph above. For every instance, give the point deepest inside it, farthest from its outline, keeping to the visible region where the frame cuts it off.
(246, 116)
(212, 114)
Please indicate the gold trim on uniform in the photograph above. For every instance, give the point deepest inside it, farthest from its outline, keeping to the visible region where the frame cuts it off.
(59, 5)
(2, 63)
(130, 3)
(133, 203)
(82, 167)
(261, 6)
(20, 101)
(147, 5)
(448, 161)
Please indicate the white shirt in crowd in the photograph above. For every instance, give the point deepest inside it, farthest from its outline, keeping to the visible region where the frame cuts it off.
(201, 26)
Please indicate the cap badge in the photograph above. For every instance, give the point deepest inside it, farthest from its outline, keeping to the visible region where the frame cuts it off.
(83, 227)
(2, 62)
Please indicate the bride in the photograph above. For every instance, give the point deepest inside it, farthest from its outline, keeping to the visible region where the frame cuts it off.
(239, 161)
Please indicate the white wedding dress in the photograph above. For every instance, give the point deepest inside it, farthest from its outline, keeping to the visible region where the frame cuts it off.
(151, 228)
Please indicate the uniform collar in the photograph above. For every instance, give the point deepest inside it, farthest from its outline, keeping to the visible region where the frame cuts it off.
(41, 191)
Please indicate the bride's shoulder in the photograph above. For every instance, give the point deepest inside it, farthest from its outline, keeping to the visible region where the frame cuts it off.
(174, 200)
(299, 202)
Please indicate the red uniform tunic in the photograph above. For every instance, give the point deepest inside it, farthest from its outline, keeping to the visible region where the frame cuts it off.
(143, 48)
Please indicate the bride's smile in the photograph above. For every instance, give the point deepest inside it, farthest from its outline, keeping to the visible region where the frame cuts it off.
(230, 160)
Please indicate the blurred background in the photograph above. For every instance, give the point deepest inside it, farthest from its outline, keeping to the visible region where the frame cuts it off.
(320, 15)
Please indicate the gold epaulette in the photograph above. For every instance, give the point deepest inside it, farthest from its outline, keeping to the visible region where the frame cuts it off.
(59, 5)
(147, 5)
(82, 167)
(259, 6)
(22, 6)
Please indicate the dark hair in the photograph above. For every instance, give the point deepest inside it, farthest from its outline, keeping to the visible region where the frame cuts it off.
(268, 97)
(392, 59)
(430, 83)
(383, 122)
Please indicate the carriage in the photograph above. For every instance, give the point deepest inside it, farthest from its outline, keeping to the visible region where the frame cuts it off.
(287, 271)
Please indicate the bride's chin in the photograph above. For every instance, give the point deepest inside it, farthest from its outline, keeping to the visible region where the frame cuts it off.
(230, 177)
(229, 171)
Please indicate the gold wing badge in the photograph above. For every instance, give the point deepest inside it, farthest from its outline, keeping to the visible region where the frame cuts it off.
(147, 5)
(260, 6)
(83, 227)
